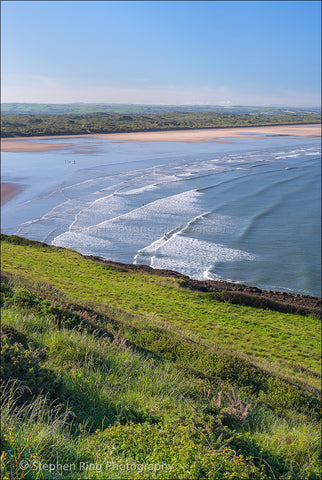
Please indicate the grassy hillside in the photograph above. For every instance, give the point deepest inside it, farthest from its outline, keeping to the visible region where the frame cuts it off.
(121, 374)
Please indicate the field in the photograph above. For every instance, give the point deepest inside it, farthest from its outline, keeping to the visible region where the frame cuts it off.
(124, 374)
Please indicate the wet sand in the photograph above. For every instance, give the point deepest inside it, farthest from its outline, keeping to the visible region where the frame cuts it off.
(32, 144)
(9, 190)
(215, 134)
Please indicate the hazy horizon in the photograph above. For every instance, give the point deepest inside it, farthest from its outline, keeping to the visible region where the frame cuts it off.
(168, 104)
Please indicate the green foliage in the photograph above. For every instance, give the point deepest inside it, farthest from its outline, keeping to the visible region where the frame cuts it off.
(23, 297)
(21, 361)
(283, 343)
(178, 445)
(75, 124)
(130, 374)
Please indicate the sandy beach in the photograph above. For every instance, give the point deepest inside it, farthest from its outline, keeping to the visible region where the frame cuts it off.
(221, 135)
(215, 134)
(9, 190)
(32, 144)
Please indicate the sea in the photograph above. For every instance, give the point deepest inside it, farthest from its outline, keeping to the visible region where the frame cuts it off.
(243, 210)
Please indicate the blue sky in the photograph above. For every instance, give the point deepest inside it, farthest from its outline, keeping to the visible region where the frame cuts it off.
(163, 52)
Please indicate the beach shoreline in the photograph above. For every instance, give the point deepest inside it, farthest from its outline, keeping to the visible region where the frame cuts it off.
(273, 138)
(233, 292)
(32, 144)
(9, 190)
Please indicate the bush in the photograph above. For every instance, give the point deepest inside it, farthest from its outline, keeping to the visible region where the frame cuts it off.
(22, 363)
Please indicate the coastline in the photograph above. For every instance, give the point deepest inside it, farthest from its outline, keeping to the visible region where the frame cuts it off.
(32, 144)
(231, 292)
(222, 290)
(216, 134)
(10, 189)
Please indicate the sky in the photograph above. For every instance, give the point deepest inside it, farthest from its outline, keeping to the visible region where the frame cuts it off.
(162, 52)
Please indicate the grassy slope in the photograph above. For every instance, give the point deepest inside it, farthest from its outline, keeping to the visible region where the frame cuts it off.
(154, 362)
(271, 336)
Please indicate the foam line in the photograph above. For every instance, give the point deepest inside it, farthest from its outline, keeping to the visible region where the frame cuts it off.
(135, 210)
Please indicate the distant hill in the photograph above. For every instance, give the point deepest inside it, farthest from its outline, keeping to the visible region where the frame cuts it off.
(80, 108)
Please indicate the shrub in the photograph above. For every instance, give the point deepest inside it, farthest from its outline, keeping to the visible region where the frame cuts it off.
(24, 364)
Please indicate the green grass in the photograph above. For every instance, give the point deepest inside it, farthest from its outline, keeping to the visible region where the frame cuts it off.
(278, 339)
(110, 367)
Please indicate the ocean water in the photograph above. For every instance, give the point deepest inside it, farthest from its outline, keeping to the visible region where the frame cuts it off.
(246, 210)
